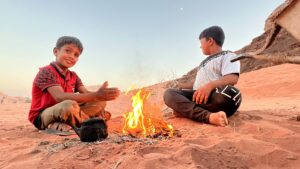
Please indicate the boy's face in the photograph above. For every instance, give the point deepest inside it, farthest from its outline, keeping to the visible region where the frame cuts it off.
(67, 55)
(205, 45)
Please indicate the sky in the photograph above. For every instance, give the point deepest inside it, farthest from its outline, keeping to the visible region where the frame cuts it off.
(139, 42)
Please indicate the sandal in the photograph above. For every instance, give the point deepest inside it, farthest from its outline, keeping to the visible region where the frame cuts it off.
(59, 126)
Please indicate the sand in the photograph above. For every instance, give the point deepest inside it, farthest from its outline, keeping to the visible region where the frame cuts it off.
(264, 133)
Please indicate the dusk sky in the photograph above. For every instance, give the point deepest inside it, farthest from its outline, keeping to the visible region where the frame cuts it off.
(125, 42)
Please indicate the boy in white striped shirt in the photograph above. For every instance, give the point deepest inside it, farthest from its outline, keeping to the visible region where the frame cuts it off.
(212, 97)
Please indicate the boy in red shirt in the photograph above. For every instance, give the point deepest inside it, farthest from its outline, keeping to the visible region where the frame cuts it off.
(59, 99)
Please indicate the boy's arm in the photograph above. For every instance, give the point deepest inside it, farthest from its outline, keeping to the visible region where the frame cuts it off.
(186, 85)
(201, 95)
(82, 89)
(105, 94)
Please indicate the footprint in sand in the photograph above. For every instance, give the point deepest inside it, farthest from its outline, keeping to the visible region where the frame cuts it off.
(152, 151)
(241, 116)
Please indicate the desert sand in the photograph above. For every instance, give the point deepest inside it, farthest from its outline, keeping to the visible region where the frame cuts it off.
(264, 133)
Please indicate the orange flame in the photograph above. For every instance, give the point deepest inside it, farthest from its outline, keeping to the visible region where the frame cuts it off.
(140, 123)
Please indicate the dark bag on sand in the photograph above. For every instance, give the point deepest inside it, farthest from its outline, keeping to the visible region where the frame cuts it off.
(92, 130)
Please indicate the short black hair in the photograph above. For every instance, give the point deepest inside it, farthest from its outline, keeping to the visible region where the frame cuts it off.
(64, 40)
(214, 32)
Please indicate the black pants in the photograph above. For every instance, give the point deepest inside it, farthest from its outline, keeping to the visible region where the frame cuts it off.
(227, 99)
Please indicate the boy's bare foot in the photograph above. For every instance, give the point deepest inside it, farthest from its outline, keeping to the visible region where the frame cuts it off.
(59, 126)
(218, 119)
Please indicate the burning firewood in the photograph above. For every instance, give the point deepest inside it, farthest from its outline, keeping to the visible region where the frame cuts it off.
(143, 123)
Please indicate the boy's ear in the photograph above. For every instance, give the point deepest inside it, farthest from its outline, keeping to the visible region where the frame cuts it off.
(55, 50)
(211, 41)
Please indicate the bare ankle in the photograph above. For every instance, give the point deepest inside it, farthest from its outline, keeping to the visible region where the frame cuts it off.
(218, 119)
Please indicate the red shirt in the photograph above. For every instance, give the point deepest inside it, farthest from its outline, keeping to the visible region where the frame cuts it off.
(50, 75)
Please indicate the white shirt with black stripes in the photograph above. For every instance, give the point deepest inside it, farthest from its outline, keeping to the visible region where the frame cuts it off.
(214, 67)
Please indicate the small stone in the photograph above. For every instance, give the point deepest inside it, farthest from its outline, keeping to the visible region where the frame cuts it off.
(178, 134)
(74, 139)
(83, 157)
(298, 118)
(35, 151)
(291, 157)
(44, 143)
(98, 161)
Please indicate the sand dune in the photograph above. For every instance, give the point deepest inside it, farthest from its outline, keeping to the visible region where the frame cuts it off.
(5, 99)
(263, 134)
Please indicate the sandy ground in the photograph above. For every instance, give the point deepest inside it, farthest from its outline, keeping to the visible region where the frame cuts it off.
(264, 133)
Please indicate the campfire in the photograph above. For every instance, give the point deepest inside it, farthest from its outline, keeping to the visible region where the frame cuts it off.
(141, 122)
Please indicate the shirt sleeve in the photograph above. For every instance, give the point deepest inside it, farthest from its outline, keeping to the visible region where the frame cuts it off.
(45, 78)
(78, 83)
(230, 67)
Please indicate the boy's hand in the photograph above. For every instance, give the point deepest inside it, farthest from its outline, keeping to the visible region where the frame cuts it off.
(105, 94)
(104, 85)
(201, 95)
